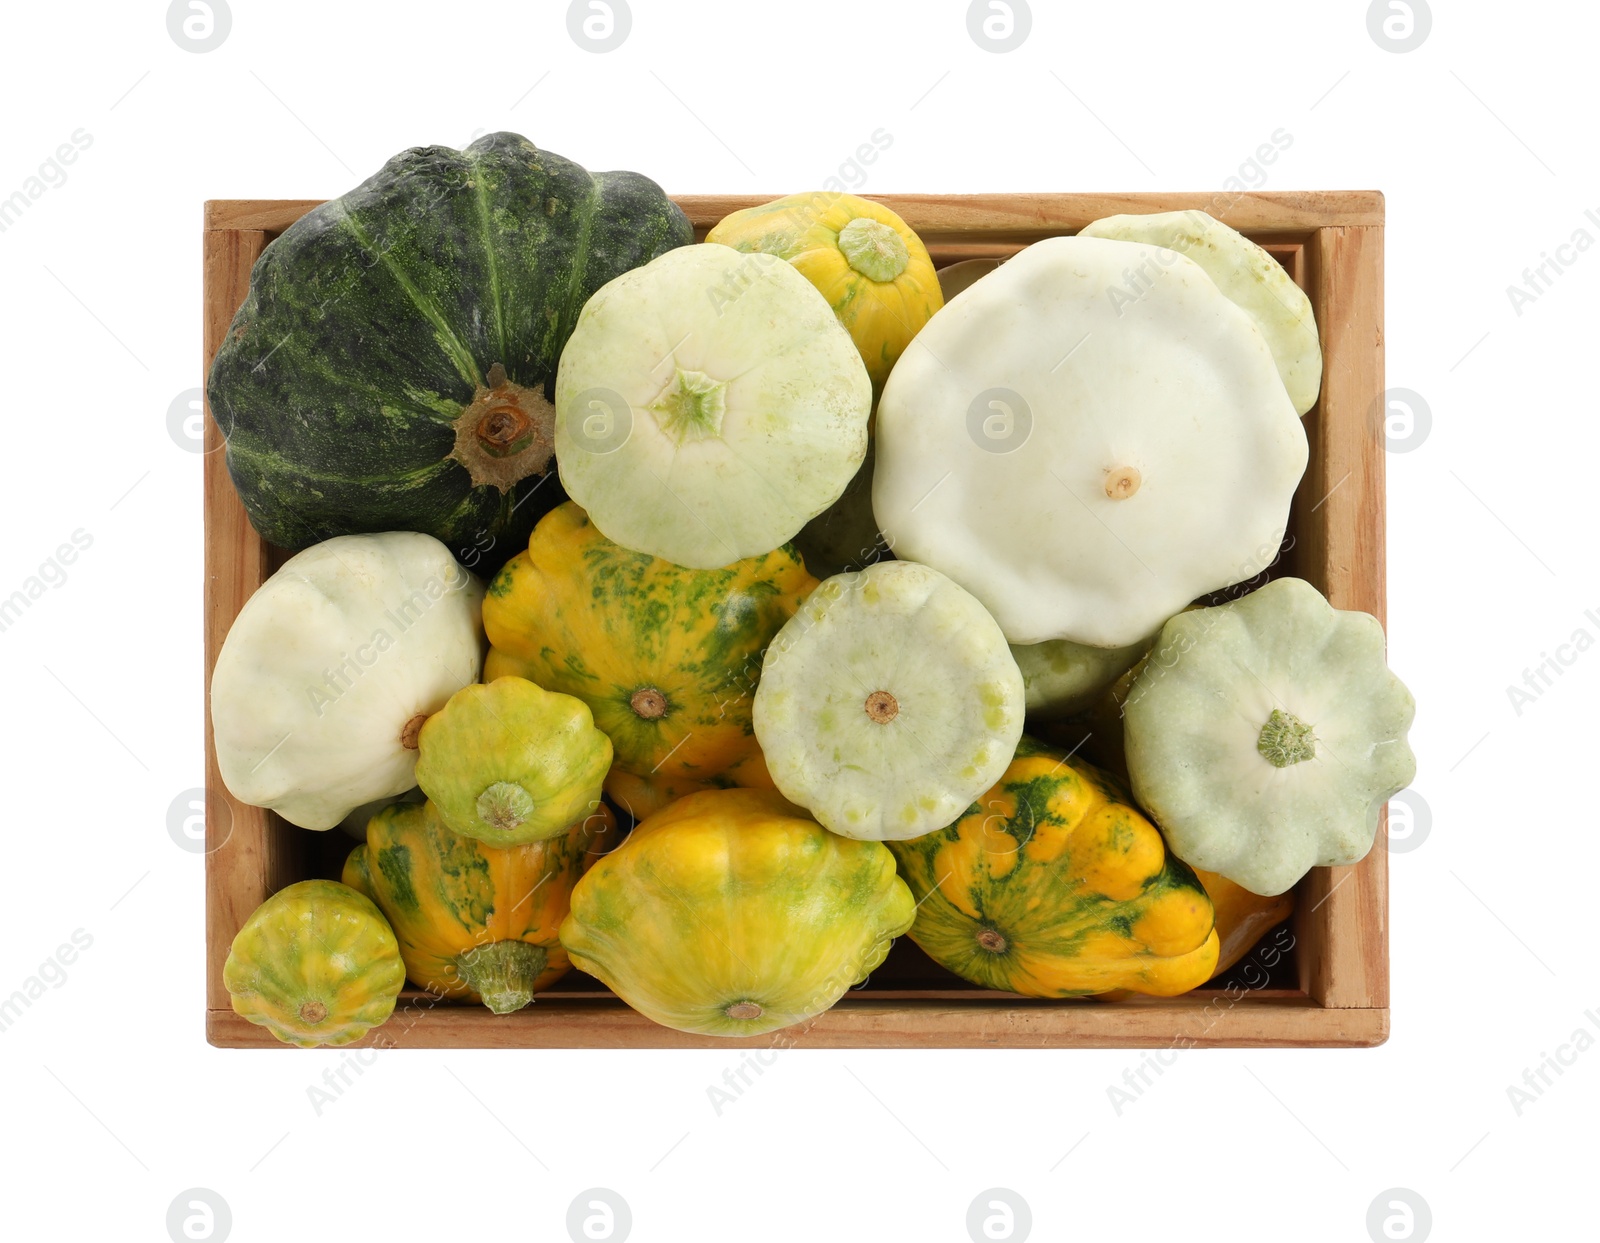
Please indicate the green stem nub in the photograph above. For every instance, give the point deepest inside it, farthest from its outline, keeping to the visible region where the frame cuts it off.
(691, 406)
(1286, 739)
(504, 805)
(874, 249)
(502, 973)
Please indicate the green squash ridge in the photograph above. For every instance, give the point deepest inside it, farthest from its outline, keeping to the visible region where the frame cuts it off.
(454, 348)
(491, 258)
(571, 305)
(421, 475)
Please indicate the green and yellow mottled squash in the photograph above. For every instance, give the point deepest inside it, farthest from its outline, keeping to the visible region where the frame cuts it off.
(509, 762)
(1053, 885)
(475, 921)
(393, 367)
(873, 270)
(667, 658)
(1243, 918)
(731, 913)
(315, 964)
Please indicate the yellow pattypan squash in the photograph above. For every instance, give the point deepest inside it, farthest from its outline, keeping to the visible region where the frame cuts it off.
(1053, 885)
(667, 658)
(873, 270)
(732, 913)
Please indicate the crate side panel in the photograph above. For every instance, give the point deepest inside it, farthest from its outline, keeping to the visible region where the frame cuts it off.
(242, 860)
(607, 1024)
(1343, 912)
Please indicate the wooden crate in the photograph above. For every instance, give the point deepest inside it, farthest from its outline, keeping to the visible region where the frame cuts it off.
(1337, 988)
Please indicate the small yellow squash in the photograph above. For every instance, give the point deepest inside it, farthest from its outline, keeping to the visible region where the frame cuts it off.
(475, 921)
(509, 762)
(315, 964)
(873, 270)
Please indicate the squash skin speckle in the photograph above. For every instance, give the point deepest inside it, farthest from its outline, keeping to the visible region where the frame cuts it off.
(449, 897)
(1076, 886)
(581, 615)
(731, 913)
(315, 964)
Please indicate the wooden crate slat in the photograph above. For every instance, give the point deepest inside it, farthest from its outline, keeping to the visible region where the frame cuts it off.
(1028, 217)
(603, 1024)
(240, 869)
(1347, 923)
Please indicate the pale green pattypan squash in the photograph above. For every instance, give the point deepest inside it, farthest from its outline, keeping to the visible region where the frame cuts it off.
(1087, 439)
(1264, 736)
(330, 669)
(888, 703)
(709, 405)
(1250, 276)
(1061, 677)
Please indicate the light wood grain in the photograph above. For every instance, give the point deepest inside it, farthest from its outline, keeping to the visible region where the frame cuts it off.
(1333, 245)
(241, 868)
(258, 215)
(607, 1024)
(1343, 916)
(1028, 217)
(969, 217)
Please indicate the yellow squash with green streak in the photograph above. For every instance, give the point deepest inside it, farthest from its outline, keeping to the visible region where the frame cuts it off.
(509, 762)
(731, 913)
(873, 270)
(315, 964)
(475, 921)
(666, 658)
(1053, 885)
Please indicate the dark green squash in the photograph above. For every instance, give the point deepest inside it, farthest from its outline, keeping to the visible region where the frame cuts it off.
(394, 364)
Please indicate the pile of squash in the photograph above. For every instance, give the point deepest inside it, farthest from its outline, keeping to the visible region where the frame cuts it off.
(706, 616)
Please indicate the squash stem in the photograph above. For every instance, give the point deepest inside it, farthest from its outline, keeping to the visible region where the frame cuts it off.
(506, 434)
(691, 406)
(502, 973)
(874, 249)
(1286, 739)
(504, 805)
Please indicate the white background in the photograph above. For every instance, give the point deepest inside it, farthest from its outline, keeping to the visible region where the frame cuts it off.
(1482, 139)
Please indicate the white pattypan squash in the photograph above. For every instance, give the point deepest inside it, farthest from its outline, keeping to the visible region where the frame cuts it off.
(331, 667)
(709, 405)
(1087, 448)
(1265, 735)
(1248, 275)
(888, 703)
